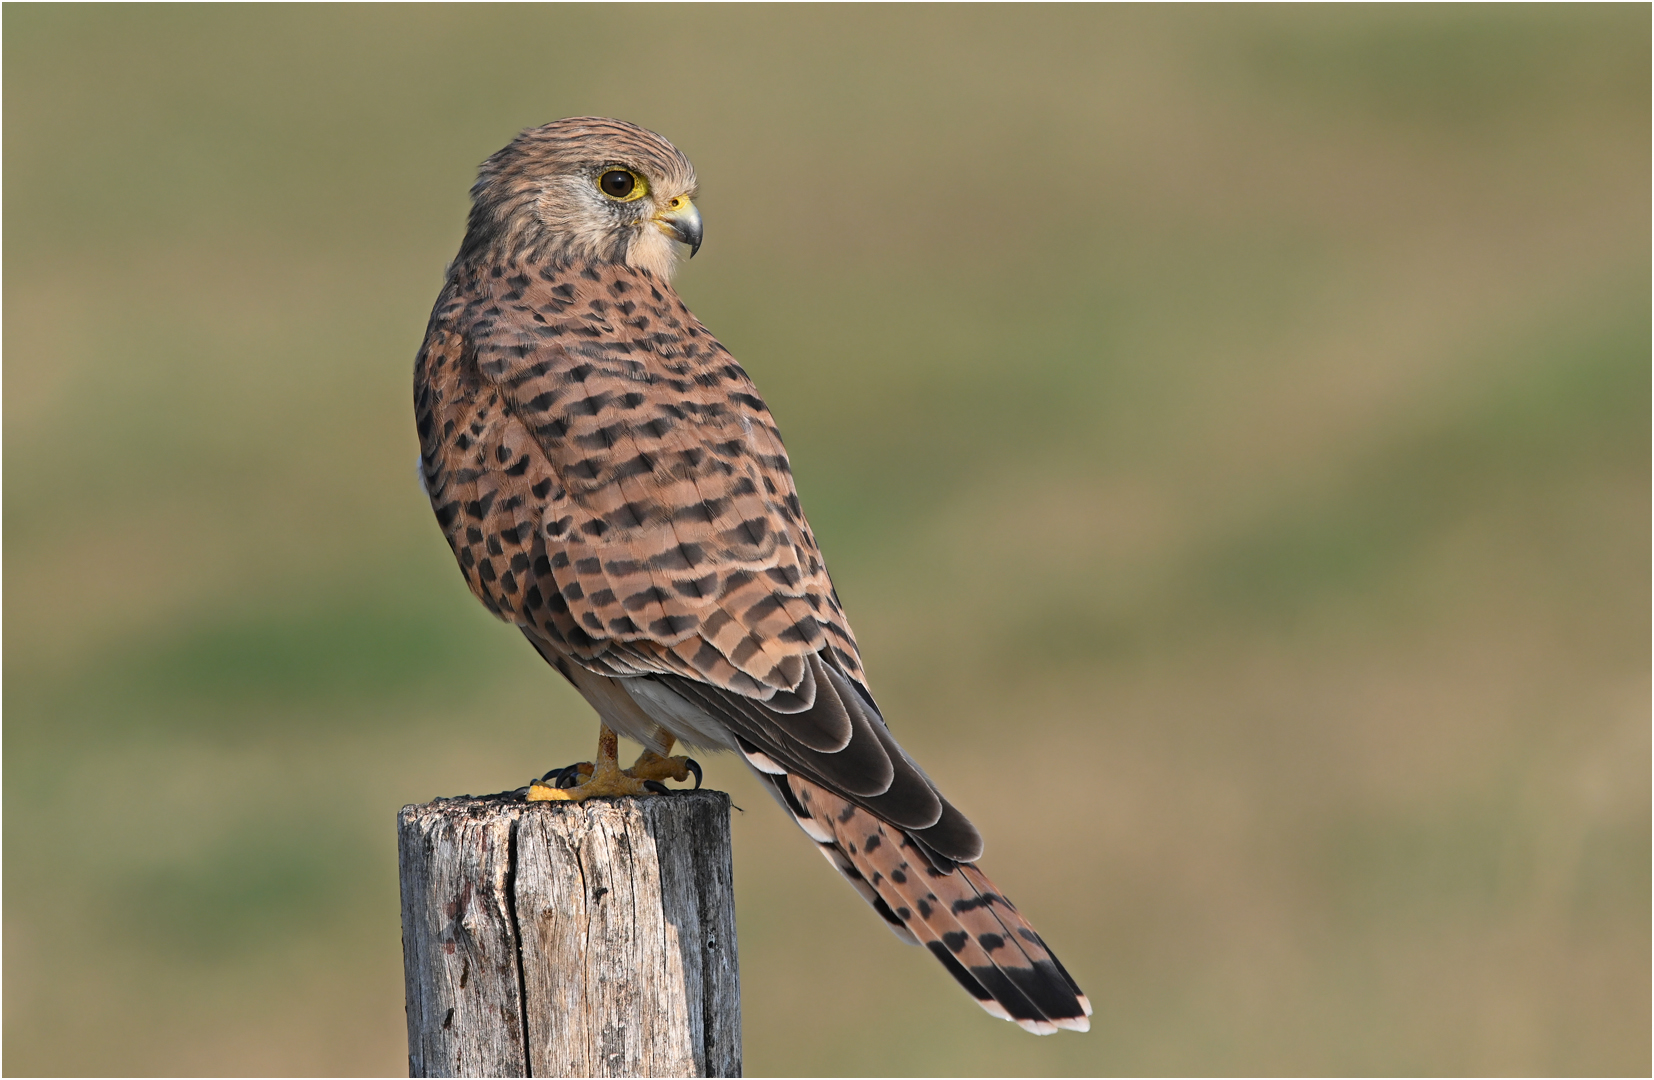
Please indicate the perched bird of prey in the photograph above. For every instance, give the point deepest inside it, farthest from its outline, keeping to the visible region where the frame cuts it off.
(612, 484)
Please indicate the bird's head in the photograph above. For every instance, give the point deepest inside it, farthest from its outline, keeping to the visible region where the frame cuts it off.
(586, 188)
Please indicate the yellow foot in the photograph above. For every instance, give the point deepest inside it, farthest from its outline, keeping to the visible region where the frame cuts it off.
(651, 766)
(578, 783)
(605, 781)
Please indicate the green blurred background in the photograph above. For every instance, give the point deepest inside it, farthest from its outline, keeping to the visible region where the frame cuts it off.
(1228, 427)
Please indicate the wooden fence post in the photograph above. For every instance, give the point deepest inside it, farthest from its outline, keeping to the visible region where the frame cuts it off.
(570, 939)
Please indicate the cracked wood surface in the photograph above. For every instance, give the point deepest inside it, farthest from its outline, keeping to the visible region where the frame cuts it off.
(570, 939)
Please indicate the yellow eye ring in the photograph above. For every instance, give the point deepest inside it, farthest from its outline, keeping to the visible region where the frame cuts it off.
(621, 184)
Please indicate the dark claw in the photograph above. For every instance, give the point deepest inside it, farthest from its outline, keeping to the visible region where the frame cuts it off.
(565, 777)
(695, 767)
(657, 787)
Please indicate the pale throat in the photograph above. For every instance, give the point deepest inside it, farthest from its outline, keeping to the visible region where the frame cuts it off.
(653, 250)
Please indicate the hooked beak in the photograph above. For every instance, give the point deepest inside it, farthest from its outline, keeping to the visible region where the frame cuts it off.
(682, 222)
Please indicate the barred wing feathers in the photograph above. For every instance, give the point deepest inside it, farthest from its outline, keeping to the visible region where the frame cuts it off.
(611, 482)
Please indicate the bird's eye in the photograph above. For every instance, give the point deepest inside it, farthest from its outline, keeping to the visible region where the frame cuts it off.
(619, 183)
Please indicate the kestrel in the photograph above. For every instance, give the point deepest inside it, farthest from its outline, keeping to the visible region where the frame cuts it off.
(612, 484)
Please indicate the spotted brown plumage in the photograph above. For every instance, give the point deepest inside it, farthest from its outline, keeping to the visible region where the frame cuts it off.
(612, 483)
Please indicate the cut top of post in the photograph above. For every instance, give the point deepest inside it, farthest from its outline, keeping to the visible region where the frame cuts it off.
(570, 939)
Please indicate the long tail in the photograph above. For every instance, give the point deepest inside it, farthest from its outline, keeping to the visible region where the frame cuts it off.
(955, 911)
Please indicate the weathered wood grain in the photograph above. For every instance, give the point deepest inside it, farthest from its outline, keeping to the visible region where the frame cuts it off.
(570, 939)
(460, 951)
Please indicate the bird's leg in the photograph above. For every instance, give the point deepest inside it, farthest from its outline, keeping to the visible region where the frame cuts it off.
(652, 766)
(605, 777)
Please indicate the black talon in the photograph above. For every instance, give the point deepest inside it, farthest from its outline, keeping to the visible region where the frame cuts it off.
(695, 767)
(569, 776)
(549, 775)
(657, 787)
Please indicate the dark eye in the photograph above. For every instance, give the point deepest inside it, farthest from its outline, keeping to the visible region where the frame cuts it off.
(617, 183)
